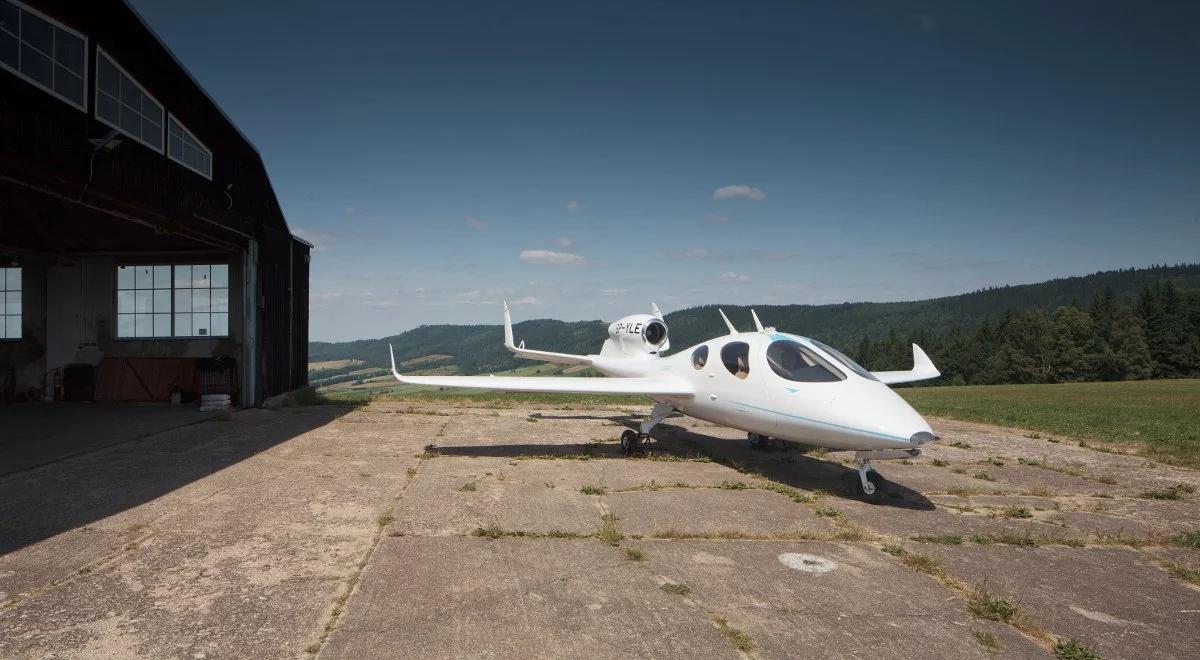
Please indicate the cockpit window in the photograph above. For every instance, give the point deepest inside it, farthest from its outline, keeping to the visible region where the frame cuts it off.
(793, 361)
(736, 357)
(700, 357)
(846, 361)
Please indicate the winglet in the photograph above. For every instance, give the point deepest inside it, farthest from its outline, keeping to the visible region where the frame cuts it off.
(757, 324)
(732, 330)
(508, 334)
(655, 310)
(393, 356)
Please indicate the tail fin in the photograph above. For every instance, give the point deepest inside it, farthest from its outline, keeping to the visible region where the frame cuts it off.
(732, 330)
(393, 356)
(655, 310)
(757, 324)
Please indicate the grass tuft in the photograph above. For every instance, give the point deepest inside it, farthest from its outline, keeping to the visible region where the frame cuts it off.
(1017, 512)
(1187, 539)
(1175, 492)
(634, 554)
(740, 640)
(608, 532)
(593, 490)
(924, 564)
(988, 641)
(1070, 649)
(986, 605)
(677, 588)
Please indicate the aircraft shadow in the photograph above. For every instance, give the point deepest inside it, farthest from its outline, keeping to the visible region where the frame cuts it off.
(788, 464)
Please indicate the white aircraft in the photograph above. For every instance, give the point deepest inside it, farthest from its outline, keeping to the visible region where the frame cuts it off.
(768, 383)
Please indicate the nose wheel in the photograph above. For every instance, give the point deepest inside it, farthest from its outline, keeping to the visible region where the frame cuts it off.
(869, 485)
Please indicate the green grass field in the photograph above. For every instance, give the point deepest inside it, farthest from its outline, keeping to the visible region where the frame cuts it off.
(1160, 417)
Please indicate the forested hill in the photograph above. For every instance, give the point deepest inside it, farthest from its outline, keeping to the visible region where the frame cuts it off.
(874, 332)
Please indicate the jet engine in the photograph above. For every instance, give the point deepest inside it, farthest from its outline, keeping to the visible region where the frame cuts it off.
(637, 334)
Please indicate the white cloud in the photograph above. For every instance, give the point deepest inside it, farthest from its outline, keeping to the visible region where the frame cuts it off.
(734, 278)
(572, 205)
(564, 241)
(613, 292)
(527, 300)
(551, 258)
(467, 295)
(750, 192)
(350, 210)
(718, 219)
(319, 241)
(697, 253)
(476, 223)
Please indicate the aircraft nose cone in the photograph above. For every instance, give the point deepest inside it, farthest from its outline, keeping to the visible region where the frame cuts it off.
(892, 416)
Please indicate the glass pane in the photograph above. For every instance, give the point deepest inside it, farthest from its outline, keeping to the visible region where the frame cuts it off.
(220, 300)
(10, 18)
(13, 303)
(152, 134)
(183, 300)
(125, 302)
(107, 78)
(3, 278)
(68, 84)
(144, 325)
(220, 275)
(3, 295)
(162, 325)
(145, 277)
(200, 277)
(125, 277)
(35, 65)
(130, 94)
(37, 33)
(200, 300)
(220, 325)
(108, 108)
(162, 301)
(124, 325)
(2, 318)
(183, 276)
(200, 325)
(14, 279)
(162, 277)
(14, 327)
(172, 127)
(131, 121)
(144, 301)
(152, 111)
(68, 51)
(175, 147)
(204, 164)
(8, 48)
(189, 156)
(183, 325)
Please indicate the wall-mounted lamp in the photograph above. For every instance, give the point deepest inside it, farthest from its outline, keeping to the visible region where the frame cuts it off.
(108, 142)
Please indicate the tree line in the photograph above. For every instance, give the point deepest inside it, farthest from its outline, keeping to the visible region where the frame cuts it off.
(1154, 334)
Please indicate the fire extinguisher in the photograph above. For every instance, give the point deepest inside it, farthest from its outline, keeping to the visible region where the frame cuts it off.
(58, 385)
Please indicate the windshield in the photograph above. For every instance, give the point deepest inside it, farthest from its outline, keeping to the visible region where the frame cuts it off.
(846, 362)
(795, 362)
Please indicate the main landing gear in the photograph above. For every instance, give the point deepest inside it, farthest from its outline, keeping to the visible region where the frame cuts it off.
(637, 442)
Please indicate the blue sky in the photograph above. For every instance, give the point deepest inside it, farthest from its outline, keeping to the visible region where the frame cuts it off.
(581, 160)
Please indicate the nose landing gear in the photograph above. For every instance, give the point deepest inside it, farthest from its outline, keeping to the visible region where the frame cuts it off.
(633, 442)
(869, 484)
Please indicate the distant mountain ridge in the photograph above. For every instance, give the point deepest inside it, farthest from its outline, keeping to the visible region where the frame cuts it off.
(478, 349)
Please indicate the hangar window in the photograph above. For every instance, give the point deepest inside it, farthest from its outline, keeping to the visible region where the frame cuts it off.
(10, 303)
(182, 300)
(44, 52)
(736, 357)
(185, 149)
(795, 362)
(125, 105)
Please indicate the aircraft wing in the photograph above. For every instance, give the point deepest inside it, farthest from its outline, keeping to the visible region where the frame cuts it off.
(582, 385)
(579, 384)
(529, 354)
(923, 369)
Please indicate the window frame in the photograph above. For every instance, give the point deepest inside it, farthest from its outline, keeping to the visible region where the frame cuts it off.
(5, 315)
(167, 146)
(83, 106)
(173, 289)
(96, 104)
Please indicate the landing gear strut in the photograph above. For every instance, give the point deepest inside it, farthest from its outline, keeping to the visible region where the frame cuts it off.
(869, 484)
(636, 442)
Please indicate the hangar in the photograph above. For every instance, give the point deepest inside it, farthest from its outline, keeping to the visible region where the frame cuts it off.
(143, 252)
